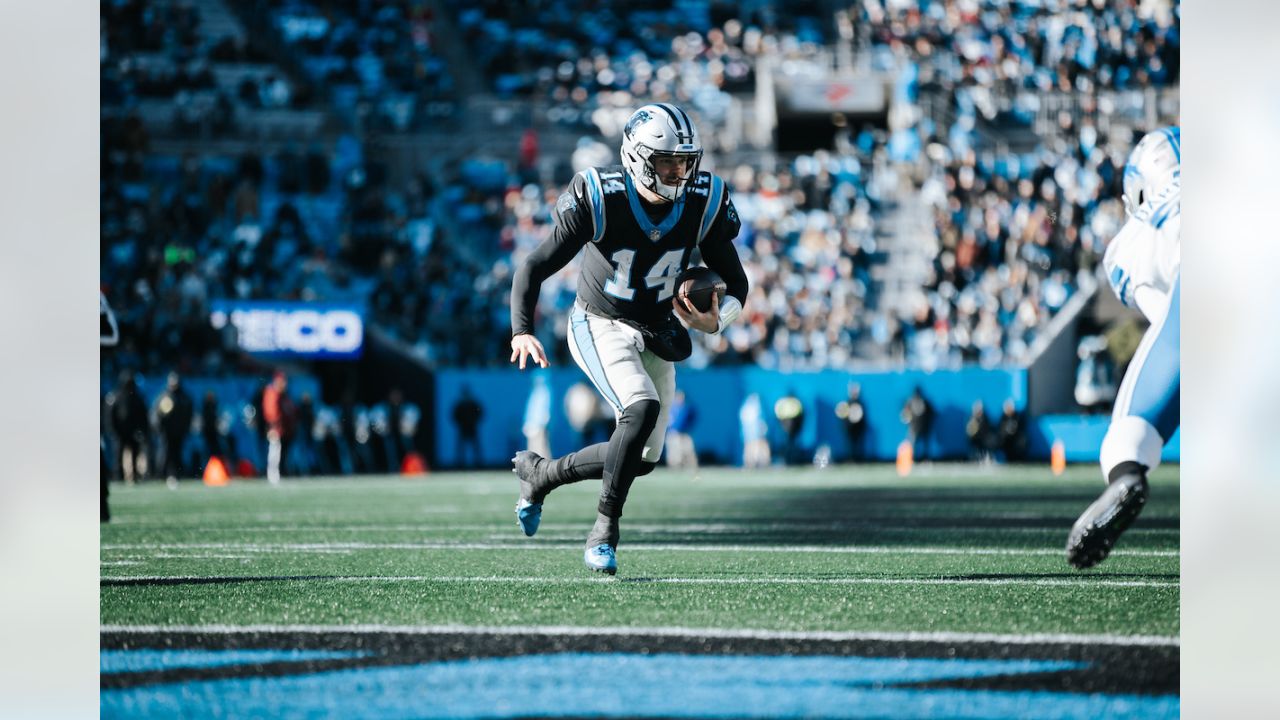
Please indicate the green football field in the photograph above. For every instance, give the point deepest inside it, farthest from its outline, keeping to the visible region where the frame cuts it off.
(961, 553)
(958, 548)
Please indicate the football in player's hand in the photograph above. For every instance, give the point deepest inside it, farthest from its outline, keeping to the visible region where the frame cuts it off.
(698, 284)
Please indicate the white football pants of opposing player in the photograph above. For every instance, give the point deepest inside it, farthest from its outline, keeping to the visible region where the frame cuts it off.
(613, 356)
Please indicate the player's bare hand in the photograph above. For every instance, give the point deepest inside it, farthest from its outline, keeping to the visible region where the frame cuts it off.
(707, 322)
(526, 346)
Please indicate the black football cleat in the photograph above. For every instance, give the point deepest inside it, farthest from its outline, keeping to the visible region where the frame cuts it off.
(1095, 533)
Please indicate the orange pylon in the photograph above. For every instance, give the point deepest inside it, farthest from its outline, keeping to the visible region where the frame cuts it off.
(215, 472)
(413, 465)
(1058, 457)
(906, 458)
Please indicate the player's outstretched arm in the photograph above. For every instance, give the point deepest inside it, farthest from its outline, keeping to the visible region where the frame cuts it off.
(547, 259)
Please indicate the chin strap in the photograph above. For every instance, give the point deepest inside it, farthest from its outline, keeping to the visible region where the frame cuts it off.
(730, 309)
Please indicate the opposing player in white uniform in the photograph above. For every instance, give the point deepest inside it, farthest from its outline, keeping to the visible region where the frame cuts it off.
(1143, 264)
(637, 226)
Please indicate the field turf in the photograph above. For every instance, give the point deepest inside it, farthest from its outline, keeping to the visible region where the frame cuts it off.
(843, 592)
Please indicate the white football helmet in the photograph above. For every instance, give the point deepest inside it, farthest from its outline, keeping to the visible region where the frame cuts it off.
(656, 130)
(1153, 164)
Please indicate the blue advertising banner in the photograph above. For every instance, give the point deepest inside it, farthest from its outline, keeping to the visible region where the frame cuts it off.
(314, 330)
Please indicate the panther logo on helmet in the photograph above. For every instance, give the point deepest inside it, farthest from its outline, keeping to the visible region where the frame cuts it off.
(660, 130)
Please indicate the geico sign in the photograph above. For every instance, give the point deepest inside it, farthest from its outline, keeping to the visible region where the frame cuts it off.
(300, 331)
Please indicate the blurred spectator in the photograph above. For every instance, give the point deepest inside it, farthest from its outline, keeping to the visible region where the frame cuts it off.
(216, 440)
(354, 433)
(790, 414)
(304, 444)
(128, 413)
(397, 440)
(581, 407)
(755, 433)
(1095, 376)
(853, 418)
(681, 452)
(1012, 435)
(332, 457)
(980, 433)
(467, 413)
(380, 439)
(917, 415)
(280, 417)
(174, 411)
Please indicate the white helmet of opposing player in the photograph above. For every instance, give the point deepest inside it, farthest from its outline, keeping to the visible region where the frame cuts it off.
(654, 131)
(1153, 164)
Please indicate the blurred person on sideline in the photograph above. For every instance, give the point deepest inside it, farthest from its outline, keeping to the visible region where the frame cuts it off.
(680, 450)
(213, 443)
(789, 412)
(1095, 376)
(637, 227)
(979, 431)
(108, 336)
(128, 412)
(917, 415)
(755, 433)
(174, 411)
(1011, 436)
(852, 415)
(280, 416)
(581, 407)
(467, 413)
(304, 441)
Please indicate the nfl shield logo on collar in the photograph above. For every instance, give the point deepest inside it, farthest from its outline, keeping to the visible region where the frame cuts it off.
(654, 234)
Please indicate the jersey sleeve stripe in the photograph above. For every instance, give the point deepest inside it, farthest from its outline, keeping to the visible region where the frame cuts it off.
(595, 198)
(714, 200)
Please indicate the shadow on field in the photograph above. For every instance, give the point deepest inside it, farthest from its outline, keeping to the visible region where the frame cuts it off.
(1064, 576)
(903, 516)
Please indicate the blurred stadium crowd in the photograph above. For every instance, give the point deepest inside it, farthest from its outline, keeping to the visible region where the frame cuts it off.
(999, 166)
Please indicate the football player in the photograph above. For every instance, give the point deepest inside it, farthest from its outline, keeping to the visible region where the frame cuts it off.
(1143, 266)
(637, 225)
(108, 336)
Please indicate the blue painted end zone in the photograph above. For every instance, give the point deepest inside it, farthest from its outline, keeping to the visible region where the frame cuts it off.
(118, 661)
(666, 685)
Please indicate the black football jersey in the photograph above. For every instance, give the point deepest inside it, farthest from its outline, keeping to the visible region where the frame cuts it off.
(632, 257)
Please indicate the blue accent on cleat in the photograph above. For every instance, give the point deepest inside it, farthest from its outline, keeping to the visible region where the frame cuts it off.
(601, 558)
(528, 515)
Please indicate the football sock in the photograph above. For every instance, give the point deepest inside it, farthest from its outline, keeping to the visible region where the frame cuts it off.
(624, 456)
(1126, 468)
(604, 531)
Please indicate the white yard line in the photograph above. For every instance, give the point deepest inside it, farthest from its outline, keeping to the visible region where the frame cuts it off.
(1084, 581)
(695, 633)
(558, 546)
(710, 528)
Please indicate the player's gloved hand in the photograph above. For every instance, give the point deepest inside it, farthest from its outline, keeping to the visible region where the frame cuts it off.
(707, 322)
(525, 345)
